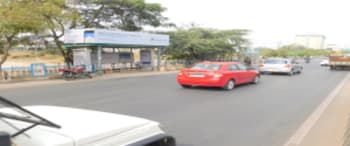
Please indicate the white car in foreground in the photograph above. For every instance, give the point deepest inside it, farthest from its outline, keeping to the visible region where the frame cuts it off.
(77, 127)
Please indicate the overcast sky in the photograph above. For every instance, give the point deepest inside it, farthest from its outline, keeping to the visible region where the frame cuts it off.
(272, 21)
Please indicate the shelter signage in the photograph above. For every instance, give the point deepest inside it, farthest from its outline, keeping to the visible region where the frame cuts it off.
(146, 56)
(125, 57)
(38, 69)
(115, 37)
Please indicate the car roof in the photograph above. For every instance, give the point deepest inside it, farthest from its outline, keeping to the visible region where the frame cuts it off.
(218, 62)
(277, 59)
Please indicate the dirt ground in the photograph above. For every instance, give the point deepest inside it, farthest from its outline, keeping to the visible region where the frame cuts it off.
(24, 59)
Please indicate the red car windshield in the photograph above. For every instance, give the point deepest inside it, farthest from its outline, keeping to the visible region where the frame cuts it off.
(205, 66)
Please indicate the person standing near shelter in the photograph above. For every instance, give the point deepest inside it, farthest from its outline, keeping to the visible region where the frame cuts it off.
(247, 61)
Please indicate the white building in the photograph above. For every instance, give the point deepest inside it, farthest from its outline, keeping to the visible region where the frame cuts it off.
(311, 41)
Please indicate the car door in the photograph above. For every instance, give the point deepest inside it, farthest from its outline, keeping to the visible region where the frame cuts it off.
(296, 66)
(244, 73)
(235, 73)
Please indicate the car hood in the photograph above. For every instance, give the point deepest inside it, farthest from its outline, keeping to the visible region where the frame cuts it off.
(82, 126)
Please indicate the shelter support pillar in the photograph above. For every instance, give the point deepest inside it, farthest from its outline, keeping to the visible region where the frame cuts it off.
(159, 50)
(132, 58)
(99, 60)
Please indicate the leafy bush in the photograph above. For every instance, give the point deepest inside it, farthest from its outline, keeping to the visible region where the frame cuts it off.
(292, 51)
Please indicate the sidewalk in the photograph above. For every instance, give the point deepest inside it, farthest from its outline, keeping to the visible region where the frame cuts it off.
(95, 78)
(333, 127)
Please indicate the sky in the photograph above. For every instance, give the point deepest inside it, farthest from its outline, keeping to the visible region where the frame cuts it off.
(272, 22)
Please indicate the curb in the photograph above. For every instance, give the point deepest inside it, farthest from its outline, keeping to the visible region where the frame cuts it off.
(96, 78)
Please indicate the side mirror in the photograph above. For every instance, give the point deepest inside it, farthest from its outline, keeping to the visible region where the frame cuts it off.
(5, 139)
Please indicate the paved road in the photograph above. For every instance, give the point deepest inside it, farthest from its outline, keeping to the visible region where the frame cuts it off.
(266, 114)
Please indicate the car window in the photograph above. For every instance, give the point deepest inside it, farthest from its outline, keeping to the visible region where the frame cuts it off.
(275, 61)
(232, 67)
(294, 61)
(242, 67)
(206, 66)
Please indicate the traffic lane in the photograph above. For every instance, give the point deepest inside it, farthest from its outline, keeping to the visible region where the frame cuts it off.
(261, 119)
(192, 112)
(201, 116)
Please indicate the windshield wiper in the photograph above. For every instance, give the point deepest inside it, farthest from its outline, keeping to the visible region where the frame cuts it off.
(29, 117)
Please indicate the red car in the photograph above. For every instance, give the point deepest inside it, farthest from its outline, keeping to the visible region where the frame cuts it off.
(217, 74)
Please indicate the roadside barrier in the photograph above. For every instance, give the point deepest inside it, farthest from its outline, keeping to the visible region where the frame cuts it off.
(42, 71)
(35, 71)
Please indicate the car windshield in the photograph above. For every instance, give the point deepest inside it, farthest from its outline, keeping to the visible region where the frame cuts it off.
(274, 61)
(205, 66)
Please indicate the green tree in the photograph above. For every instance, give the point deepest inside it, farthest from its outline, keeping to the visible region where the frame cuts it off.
(269, 52)
(57, 15)
(206, 44)
(16, 17)
(131, 15)
(292, 51)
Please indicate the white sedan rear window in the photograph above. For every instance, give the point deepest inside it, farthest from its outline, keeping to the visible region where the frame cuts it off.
(275, 62)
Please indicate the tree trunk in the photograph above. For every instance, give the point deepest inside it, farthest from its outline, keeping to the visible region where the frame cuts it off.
(1, 78)
(67, 55)
(7, 47)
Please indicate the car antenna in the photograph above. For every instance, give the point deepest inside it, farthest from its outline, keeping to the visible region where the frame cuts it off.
(29, 117)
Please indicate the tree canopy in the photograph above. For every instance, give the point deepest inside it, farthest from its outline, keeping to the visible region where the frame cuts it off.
(206, 44)
(292, 51)
(16, 18)
(131, 15)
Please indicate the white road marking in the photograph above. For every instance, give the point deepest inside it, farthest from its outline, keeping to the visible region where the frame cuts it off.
(304, 129)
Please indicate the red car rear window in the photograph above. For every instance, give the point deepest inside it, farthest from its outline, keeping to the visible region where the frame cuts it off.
(205, 66)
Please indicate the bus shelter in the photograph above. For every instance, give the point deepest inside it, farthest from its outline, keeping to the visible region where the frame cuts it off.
(98, 39)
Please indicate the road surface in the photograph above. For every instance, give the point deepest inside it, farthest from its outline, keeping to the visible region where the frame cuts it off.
(266, 114)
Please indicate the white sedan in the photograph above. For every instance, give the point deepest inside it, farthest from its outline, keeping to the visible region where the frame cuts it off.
(280, 65)
(79, 127)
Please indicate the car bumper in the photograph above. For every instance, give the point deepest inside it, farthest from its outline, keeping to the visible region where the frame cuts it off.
(219, 82)
(286, 70)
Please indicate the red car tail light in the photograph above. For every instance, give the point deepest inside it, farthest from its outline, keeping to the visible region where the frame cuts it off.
(288, 66)
(181, 73)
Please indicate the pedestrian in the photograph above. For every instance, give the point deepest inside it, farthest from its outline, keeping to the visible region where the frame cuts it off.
(247, 61)
(6, 75)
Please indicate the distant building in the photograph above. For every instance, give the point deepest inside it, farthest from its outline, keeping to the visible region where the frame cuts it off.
(333, 47)
(311, 41)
